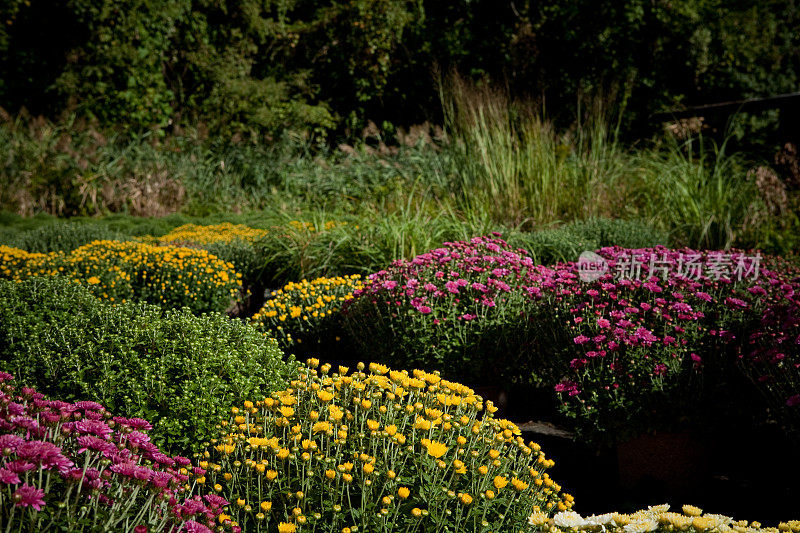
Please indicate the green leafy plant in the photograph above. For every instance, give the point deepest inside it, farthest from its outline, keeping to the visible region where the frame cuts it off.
(178, 370)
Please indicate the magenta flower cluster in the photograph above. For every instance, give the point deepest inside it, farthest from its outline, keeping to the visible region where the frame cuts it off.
(771, 354)
(610, 344)
(63, 464)
(472, 275)
(442, 304)
(685, 318)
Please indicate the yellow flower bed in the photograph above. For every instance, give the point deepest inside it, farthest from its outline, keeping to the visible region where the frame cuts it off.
(300, 307)
(225, 232)
(655, 518)
(379, 451)
(121, 271)
(13, 261)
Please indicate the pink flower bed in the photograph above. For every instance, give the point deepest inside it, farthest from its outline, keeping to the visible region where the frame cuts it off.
(632, 342)
(73, 465)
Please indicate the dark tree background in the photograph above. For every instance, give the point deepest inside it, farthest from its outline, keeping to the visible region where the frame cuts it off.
(264, 66)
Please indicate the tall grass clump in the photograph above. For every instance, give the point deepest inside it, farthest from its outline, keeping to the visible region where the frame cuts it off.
(512, 164)
(698, 192)
(64, 236)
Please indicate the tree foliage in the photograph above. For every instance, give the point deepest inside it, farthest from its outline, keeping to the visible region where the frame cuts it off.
(265, 66)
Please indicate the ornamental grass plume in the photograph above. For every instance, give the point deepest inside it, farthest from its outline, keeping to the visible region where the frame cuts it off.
(376, 451)
(75, 467)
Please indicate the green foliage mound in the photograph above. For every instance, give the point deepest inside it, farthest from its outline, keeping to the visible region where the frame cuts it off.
(179, 371)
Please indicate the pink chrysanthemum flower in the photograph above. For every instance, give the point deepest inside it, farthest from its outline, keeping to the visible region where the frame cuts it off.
(8, 477)
(29, 496)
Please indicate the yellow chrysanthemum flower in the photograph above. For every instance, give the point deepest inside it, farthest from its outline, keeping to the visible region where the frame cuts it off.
(436, 449)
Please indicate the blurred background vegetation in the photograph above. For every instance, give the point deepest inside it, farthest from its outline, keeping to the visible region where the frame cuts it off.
(259, 67)
(522, 114)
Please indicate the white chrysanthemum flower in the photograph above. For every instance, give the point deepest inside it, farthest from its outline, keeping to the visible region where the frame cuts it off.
(719, 519)
(621, 519)
(658, 509)
(678, 520)
(569, 519)
(599, 520)
(641, 526)
(538, 519)
(691, 510)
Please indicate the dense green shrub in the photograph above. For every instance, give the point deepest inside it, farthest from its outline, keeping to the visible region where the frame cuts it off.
(13, 224)
(550, 246)
(618, 232)
(180, 371)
